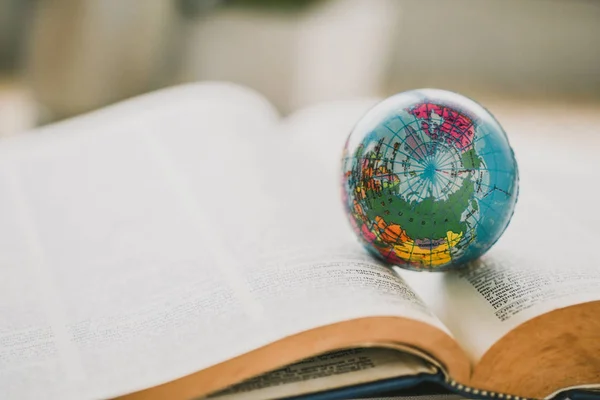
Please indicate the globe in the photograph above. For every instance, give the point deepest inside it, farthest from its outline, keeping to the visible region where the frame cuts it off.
(429, 180)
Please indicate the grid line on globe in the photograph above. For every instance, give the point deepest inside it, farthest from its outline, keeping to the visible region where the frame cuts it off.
(429, 180)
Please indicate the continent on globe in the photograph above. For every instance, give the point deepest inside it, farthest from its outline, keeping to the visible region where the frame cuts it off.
(429, 180)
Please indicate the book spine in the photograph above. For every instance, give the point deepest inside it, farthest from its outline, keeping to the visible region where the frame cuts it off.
(474, 393)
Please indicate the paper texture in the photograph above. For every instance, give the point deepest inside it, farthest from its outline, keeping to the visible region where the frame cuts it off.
(165, 235)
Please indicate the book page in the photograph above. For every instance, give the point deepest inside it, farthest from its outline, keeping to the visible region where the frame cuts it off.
(346, 367)
(96, 259)
(165, 235)
(547, 259)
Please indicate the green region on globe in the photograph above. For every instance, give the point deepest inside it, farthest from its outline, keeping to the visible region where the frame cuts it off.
(429, 180)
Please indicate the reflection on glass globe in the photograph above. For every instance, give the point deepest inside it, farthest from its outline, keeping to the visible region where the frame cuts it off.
(429, 180)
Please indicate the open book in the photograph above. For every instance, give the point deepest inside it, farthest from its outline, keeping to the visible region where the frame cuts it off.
(192, 243)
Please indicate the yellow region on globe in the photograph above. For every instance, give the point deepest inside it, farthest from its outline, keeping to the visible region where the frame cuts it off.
(405, 247)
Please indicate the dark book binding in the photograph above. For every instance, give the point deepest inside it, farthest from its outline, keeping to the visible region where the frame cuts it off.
(429, 384)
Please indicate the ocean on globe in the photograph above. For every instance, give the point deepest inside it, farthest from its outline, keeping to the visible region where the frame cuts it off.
(429, 180)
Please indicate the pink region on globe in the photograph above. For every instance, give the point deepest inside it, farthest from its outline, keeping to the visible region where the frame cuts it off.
(367, 234)
(459, 129)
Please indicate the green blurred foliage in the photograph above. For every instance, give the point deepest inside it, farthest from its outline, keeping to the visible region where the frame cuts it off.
(195, 7)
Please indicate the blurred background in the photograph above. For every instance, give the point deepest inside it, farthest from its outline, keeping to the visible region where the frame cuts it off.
(60, 58)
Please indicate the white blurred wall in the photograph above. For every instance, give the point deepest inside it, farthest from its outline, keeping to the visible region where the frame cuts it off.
(548, 49)
(333, 50)
(85, 54)
(511, 47)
